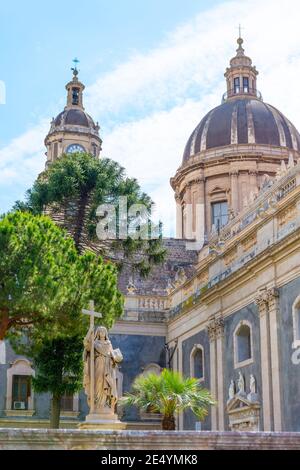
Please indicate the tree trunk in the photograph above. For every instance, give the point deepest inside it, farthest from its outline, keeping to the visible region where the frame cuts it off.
(55, 411)
(168, 423)
(4, 322)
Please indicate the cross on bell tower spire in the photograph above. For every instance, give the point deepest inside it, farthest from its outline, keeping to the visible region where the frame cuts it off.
(75, 69)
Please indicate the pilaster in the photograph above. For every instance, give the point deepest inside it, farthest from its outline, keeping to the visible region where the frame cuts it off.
(215, 331)
(273, 303)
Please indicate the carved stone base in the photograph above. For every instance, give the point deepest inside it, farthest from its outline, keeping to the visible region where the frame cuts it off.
(102, 420)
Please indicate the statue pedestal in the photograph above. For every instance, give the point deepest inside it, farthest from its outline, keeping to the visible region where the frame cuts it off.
(102, 420)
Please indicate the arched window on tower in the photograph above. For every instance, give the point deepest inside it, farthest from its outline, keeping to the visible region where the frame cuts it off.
(197, 362)
(75, 96)
(296, 322)
(243, 343)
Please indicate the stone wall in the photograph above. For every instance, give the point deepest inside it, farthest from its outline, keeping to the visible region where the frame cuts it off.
(231, 370)
(138, 351)
(27, 439)
(200, 338)
(290, 373)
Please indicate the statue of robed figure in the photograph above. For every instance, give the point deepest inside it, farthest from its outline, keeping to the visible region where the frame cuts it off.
(104, 395)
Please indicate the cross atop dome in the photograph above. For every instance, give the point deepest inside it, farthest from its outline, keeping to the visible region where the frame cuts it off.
(240, 51)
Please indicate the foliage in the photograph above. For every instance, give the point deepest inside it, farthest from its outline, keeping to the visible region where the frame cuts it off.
(59, 365)
(169, 394)
(80, 183)
(44, 282)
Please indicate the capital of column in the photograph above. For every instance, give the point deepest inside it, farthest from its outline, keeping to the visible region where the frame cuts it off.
(273, 295)
(215, 329)
(261, 301)
(267, 299)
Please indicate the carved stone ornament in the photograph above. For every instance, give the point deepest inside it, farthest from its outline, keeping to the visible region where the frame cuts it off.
(215, 328)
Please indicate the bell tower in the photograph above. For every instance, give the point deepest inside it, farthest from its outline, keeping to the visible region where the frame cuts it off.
(73, 130)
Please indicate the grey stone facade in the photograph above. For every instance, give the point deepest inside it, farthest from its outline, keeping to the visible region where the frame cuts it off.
(250, 314)
(200, 338)
(290, 373)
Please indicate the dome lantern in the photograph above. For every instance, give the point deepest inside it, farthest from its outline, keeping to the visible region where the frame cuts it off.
(241, 76)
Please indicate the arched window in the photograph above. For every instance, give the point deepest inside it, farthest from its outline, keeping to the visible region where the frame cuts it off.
(296, 322)
(243, 349)
(197, 362)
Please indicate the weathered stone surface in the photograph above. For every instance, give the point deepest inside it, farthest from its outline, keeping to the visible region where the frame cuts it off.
(41, 439)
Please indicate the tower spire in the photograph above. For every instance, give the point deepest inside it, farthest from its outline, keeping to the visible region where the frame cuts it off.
(75, 89)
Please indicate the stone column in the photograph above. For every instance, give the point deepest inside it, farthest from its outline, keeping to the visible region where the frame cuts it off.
(273, 303)
(262, 303)
(188, 229)
(180, 369)
(234, 191)
(211, 329)
(216, 334)
(220, 372)
(179, 220)
(200, 222)
(253, 181)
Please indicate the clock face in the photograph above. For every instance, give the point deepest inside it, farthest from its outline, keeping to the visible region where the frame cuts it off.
(73, 148)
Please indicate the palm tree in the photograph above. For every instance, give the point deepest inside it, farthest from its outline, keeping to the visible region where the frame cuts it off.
(169, 394)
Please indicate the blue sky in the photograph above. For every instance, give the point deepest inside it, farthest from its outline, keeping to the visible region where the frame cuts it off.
(152, 70)
(38, 45)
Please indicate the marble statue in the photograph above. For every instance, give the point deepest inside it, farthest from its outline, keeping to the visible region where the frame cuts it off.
(231, 391)
(241, 384)
(252, 384)
(104, 393)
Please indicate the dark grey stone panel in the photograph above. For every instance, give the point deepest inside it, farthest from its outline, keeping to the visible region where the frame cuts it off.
(200, 338)
(290, 373)
(249, 313)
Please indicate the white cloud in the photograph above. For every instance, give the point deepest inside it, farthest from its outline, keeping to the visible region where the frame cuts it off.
(149, 105)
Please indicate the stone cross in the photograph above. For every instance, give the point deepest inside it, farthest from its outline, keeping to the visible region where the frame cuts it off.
(91, 312)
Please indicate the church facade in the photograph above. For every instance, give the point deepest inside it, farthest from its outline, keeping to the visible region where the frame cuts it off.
(225, 305)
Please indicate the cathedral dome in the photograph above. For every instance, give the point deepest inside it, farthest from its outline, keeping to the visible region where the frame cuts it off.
(74, 117)
(242, 120)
